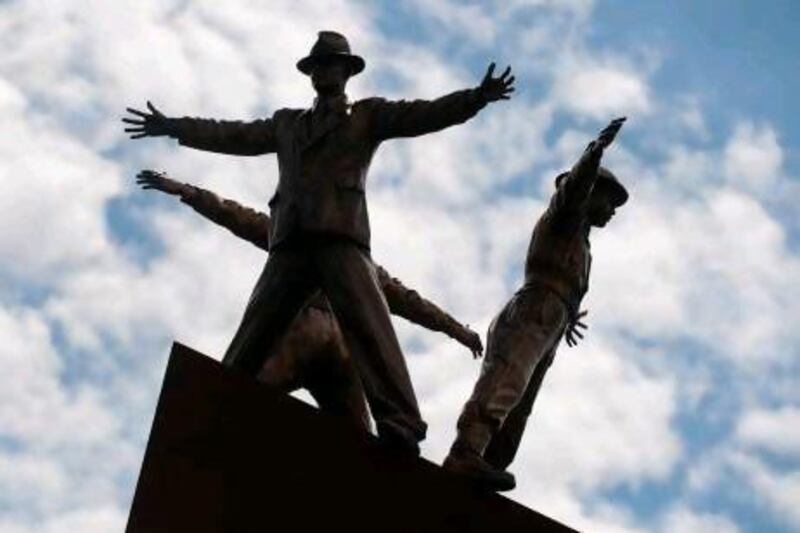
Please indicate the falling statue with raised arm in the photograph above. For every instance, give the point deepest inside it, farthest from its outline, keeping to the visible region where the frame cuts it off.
(320, 236)
(312, 354)
(522, 339)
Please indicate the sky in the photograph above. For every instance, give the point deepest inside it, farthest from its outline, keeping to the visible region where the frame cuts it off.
(679, 412)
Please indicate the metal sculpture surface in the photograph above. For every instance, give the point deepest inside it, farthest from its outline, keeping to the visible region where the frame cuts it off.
(320, 233)
(523, 337)
(312, 354)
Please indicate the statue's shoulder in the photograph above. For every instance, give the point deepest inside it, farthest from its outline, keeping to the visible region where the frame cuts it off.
(287, 116)
(287, 112)
(367, 104)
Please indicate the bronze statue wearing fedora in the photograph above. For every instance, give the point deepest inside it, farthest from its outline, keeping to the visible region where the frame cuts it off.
(523, 337)
(320, 237)
(312, 354)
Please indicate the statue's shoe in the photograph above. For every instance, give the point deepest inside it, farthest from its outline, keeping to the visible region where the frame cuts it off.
(397, 438)
(471, 465)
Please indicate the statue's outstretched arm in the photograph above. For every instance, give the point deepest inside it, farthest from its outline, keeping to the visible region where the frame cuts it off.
(577, 185)
(228, 137)
(244, 222)
(402, 118)
(408, 304)
(153, 124)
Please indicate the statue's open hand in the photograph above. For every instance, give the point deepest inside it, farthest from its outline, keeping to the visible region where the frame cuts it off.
(153, 124)
(150, 179)
(500, 88)
(573, 330)
(471, 340)
(609, 133)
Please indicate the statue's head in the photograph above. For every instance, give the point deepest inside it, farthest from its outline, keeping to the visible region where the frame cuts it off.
(607, 195)
(330, 63)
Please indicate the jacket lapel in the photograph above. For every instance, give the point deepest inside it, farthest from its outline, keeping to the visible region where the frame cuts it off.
(302, 129)
(309, 128)
(320, 128)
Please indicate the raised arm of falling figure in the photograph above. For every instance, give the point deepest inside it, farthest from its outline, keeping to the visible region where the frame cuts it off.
(227, 137)
(242, 221)
(408, 304)
(417, 117)
(575, 186)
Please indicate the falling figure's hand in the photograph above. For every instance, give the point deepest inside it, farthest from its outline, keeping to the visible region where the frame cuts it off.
(159, 181)
(609, 133)
(153, 124)
(573, 331)
(500, 88)
(471, 340)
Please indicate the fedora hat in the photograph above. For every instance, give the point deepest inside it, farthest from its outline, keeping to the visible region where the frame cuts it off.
(607, 179)
(330, 44)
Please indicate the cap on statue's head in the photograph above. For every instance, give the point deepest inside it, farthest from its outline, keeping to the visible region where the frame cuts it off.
(330, 44)
(607, 179)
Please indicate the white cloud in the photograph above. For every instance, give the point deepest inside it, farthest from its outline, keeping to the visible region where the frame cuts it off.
(753, 158)
(685, 519)
(481, 23)
(692, 117)
(737, 467)
(601, 90)
(712, 265)
(91, 520)
(776, 430)
(690, 170)
(67, 448)
(470, 19)
(592, 395)
(779, 491)
(28, 481)
(87, 520)
(32, 400)
(54, 195)
(129, 304)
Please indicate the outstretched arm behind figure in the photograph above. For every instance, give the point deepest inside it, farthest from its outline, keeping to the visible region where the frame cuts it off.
(244, 222)
(408, 304)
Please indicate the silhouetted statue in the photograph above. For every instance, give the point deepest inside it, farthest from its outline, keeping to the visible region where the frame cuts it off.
(312, 354)
(320, 229)
(522, 339)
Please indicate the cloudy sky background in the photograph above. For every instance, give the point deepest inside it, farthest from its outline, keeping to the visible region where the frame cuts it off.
(680, 411)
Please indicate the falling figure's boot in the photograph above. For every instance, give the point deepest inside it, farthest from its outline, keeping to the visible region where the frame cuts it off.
(471, 465)
(465, 460)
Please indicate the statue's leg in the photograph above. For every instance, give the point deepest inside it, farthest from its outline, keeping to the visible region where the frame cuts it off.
(331, 376)
(518, 340)
(286, 367)
(350, 282)
(504, 444)
(342, 396)
(281, 370)
(285, 284)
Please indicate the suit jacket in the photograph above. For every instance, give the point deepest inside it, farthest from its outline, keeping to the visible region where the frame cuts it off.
(254, 226)
(323, 163)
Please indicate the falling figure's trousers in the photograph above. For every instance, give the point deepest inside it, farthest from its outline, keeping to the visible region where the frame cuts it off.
(346, 275)
(521, 344)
